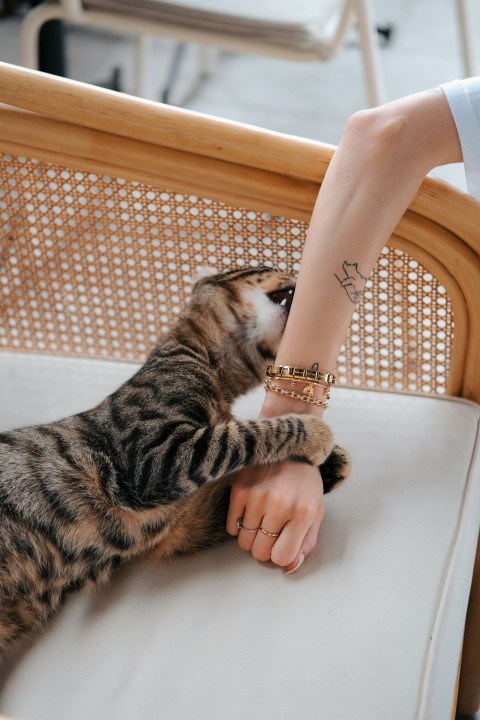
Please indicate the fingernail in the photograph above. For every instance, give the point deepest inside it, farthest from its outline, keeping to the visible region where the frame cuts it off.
(300, 562)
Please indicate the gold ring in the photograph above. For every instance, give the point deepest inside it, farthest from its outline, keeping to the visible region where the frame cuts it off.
(265, 532)
(241, 527)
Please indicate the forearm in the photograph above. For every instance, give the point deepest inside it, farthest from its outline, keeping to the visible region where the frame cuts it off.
(381, 160)
(380, 163)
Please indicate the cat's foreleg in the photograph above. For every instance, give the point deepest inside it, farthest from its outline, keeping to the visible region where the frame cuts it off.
(210, 453)
(243, 443)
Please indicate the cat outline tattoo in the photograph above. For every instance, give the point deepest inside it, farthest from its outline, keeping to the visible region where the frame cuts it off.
(351, 281)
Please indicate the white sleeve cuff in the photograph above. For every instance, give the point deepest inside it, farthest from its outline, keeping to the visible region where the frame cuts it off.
(463, 96)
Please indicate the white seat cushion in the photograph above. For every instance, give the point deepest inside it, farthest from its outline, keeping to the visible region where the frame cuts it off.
(369, 627)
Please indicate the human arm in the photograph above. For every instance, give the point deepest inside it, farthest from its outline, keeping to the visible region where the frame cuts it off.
(382, 158)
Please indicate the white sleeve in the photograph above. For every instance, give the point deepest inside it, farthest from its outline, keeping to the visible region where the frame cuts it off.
(463, 96)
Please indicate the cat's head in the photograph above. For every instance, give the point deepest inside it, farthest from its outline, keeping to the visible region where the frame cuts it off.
(246, 311)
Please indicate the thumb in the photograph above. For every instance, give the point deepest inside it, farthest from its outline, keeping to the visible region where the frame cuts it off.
(308, 544)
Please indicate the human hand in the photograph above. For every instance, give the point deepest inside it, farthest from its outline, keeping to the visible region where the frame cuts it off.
(286, 498)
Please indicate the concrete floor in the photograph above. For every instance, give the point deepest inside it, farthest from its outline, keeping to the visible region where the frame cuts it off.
(309, 99)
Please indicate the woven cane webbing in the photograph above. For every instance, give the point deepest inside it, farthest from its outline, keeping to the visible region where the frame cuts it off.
(98, 266)
(401, 335)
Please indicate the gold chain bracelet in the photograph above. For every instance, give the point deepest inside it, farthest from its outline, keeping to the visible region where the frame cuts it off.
(309, 388)
(269, 385)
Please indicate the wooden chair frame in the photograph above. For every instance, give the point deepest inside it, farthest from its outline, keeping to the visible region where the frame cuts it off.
(87, 128)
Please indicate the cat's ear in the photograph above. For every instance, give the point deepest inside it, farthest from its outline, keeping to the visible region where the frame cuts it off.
(204, 271)
(202, 275)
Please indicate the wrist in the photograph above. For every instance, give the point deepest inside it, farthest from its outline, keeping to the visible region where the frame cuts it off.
(295, 389)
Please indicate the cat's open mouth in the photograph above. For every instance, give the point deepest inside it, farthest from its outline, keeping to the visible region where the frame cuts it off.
(283, 296)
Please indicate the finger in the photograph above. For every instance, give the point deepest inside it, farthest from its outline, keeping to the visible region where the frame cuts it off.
(295, 565)
(311, 537)
(235, 514)
(247, 503)
(237, 507)
(309, 542)
(298, 535)
(244, 521)
(288, 547)
(265, 539)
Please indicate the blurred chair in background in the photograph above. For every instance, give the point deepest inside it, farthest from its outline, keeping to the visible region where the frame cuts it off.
(295, 30)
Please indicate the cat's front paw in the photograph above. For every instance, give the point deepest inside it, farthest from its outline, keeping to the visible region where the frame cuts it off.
(335, 469)
(319, 439)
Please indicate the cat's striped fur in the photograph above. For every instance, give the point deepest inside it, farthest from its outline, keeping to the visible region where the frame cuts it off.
(148, 468)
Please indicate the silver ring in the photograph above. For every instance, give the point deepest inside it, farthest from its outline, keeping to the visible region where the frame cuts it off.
(265, 532)
(241, 527)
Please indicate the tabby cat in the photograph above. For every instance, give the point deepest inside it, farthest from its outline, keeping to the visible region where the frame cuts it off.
(149, 467)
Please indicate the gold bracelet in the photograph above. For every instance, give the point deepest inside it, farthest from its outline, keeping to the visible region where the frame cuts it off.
(318, 383)
(309, 388)
(296, 373)
(269, 385)
(313, 376)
